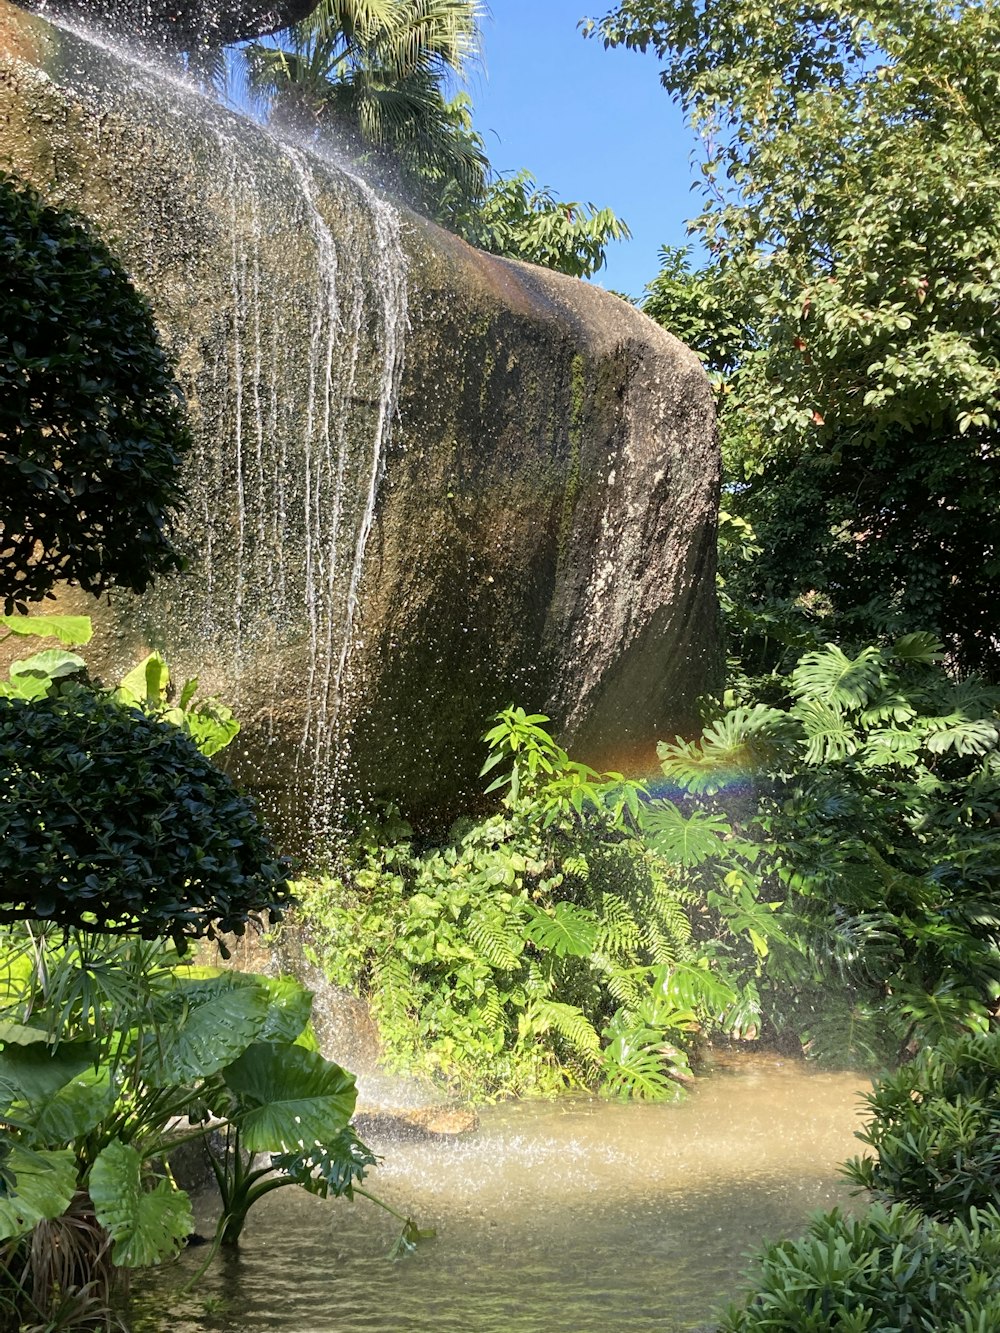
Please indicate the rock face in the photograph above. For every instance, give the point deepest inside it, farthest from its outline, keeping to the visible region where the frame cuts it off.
(428, 483)
(184, 23)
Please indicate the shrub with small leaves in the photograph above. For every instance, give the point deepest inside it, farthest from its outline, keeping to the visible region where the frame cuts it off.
(892, 1271)
(935, 1128)
(113, 821)
(92, 432)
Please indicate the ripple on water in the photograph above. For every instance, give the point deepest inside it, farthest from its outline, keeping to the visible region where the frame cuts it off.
(577, 1215)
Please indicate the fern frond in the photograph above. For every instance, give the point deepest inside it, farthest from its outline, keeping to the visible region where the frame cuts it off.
(569, 1022)
(499, 946)
(619, 933)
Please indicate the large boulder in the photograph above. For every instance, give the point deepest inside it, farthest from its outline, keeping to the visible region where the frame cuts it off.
(183, 23)
(428, 482)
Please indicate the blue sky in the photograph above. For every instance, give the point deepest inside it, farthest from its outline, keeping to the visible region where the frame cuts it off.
(592, 125)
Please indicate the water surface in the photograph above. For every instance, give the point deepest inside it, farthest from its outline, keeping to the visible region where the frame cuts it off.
(576, 1215)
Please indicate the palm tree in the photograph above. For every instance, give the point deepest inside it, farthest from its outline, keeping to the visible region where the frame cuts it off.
(371, 75)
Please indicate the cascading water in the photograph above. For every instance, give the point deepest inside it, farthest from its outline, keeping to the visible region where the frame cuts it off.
(286, 352)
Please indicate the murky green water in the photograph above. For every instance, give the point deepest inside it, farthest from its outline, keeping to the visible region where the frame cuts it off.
(578, 1215)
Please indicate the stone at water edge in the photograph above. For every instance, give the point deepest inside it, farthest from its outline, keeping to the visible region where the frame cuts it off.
(434, 1121)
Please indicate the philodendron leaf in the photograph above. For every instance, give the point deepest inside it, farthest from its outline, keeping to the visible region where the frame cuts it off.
(288, 1097)
(69, 630)
(146, 1226)
(44, 1185)
(567, 930)
(202, 1026)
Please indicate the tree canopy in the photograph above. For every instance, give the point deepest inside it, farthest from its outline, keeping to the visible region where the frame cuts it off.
(375, 79)
(92, 432)
(851, 167)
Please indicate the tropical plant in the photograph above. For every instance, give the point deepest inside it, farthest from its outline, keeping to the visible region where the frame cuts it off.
(109, 1046)
(935, 1130)
(91, 429)
(888, 1269)
(868, 374)
(111, 817)
(515, 217)
(108, 1050)
(540, 948)
(370, 74)
(855, 810)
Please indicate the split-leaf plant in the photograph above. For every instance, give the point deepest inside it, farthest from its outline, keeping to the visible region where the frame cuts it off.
(547, 946)
(860, 802)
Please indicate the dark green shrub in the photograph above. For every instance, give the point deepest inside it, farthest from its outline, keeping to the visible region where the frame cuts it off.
(91, 427)
(936, 1129)
(113, 821)
(889, 1271)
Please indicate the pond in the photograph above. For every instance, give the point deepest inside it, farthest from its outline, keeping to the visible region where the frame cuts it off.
(579, 1215)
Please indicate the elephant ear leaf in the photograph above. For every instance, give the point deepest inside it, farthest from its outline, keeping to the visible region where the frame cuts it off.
(288, 1098)
(77, 1108)
(35, 1071)
(146, 1226)
(203, 1026)
(44, 1185)
(289, 1008)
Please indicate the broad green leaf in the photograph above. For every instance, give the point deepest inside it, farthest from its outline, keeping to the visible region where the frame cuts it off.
(289, 1008)
(145, 683)
(36, 1072)
(69, 630)
(829, 675)
(18, 1034)
(32, 677)
(202, 1026)
(77, 1108)
(567, 930)
(288, 1097)
(685, 840)
(921, 647)
(146, 1226)
(45, 1183)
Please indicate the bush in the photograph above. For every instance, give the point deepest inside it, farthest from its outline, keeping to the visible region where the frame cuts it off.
(936, 1129)
(893, 1271)
(91, 428)
(113, 821)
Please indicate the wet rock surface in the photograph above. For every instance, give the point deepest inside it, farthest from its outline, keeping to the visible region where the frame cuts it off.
(428, 483)
(184, 23)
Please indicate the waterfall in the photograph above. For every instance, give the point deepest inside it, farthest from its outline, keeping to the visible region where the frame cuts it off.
(286, 307)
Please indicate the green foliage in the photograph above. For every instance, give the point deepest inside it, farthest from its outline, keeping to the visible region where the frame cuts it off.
(887, 1270)
(861, 407)
(113, 820)
(850, 833)
(91, 430)
(371, 79)
(80, 847)
(547, 946)
(935, 1129)
(122, 1044)
(515, 217)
